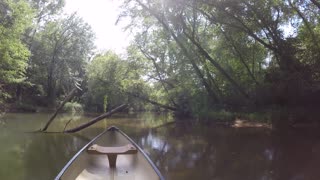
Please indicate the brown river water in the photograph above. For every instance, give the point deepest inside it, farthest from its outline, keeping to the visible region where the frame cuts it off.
(180, 150)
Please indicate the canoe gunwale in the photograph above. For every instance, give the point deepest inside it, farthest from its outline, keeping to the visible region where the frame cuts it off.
(78, 153)
(112, 128)
(143, 153)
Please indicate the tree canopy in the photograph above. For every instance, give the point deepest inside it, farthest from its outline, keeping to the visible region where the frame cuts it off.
(238, 52)
(15, 18)
(60, 51)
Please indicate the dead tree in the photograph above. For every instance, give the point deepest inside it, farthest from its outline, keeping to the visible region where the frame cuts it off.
(68, 98)
(94, 120)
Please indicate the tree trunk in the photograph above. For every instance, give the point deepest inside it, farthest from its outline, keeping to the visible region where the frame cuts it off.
(94, 120)
(68, 98)
(50, 91)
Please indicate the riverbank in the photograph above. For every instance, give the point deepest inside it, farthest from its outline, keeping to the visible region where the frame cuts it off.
(277, 118)
(272, 118)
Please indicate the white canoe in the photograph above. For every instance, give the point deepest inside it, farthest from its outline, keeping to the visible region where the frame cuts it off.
(110, 155)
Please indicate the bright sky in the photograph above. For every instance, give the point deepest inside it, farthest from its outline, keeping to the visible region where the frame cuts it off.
(101, 15)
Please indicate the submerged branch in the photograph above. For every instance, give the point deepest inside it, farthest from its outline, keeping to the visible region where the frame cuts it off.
(67, 124)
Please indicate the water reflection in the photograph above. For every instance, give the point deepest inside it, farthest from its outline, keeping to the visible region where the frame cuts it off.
(180, 151)
(222, 153)
(46, 154)
(154, 142)
(184, 152)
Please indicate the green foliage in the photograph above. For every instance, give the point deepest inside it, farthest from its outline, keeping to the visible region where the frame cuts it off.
(105, 73)
(73, 107)
(208, 54)
(15, 17)
(40, 49)
(111, 79)
(60, 53)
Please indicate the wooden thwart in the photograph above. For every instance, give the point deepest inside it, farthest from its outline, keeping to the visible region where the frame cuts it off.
(112, 152)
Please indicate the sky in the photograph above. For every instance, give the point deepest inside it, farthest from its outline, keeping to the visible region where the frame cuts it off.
(101, 15)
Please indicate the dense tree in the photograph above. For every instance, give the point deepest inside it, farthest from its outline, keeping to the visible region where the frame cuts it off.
(42, 51)
(15, 17)
(60, 53)
(181, 45)
(238, 48)
(45, 11)
(111, 80)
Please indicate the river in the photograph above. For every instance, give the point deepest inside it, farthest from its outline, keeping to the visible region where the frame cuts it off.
(180, 150)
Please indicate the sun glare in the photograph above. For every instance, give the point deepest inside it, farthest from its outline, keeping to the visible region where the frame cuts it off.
(101, 15)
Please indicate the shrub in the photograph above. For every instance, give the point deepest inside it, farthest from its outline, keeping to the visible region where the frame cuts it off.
(73, 107)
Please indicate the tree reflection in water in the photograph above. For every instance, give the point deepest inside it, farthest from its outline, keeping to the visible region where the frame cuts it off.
(184, 152)
(48, 153)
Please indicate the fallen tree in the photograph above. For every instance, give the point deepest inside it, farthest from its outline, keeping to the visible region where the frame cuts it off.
(94, 120)
(68, 98)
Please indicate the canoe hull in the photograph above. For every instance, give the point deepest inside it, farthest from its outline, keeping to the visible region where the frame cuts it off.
(85, 166)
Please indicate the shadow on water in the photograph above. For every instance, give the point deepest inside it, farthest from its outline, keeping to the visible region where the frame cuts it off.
(180, 151)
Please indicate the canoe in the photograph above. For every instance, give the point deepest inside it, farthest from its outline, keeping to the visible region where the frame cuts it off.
(110, 155)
